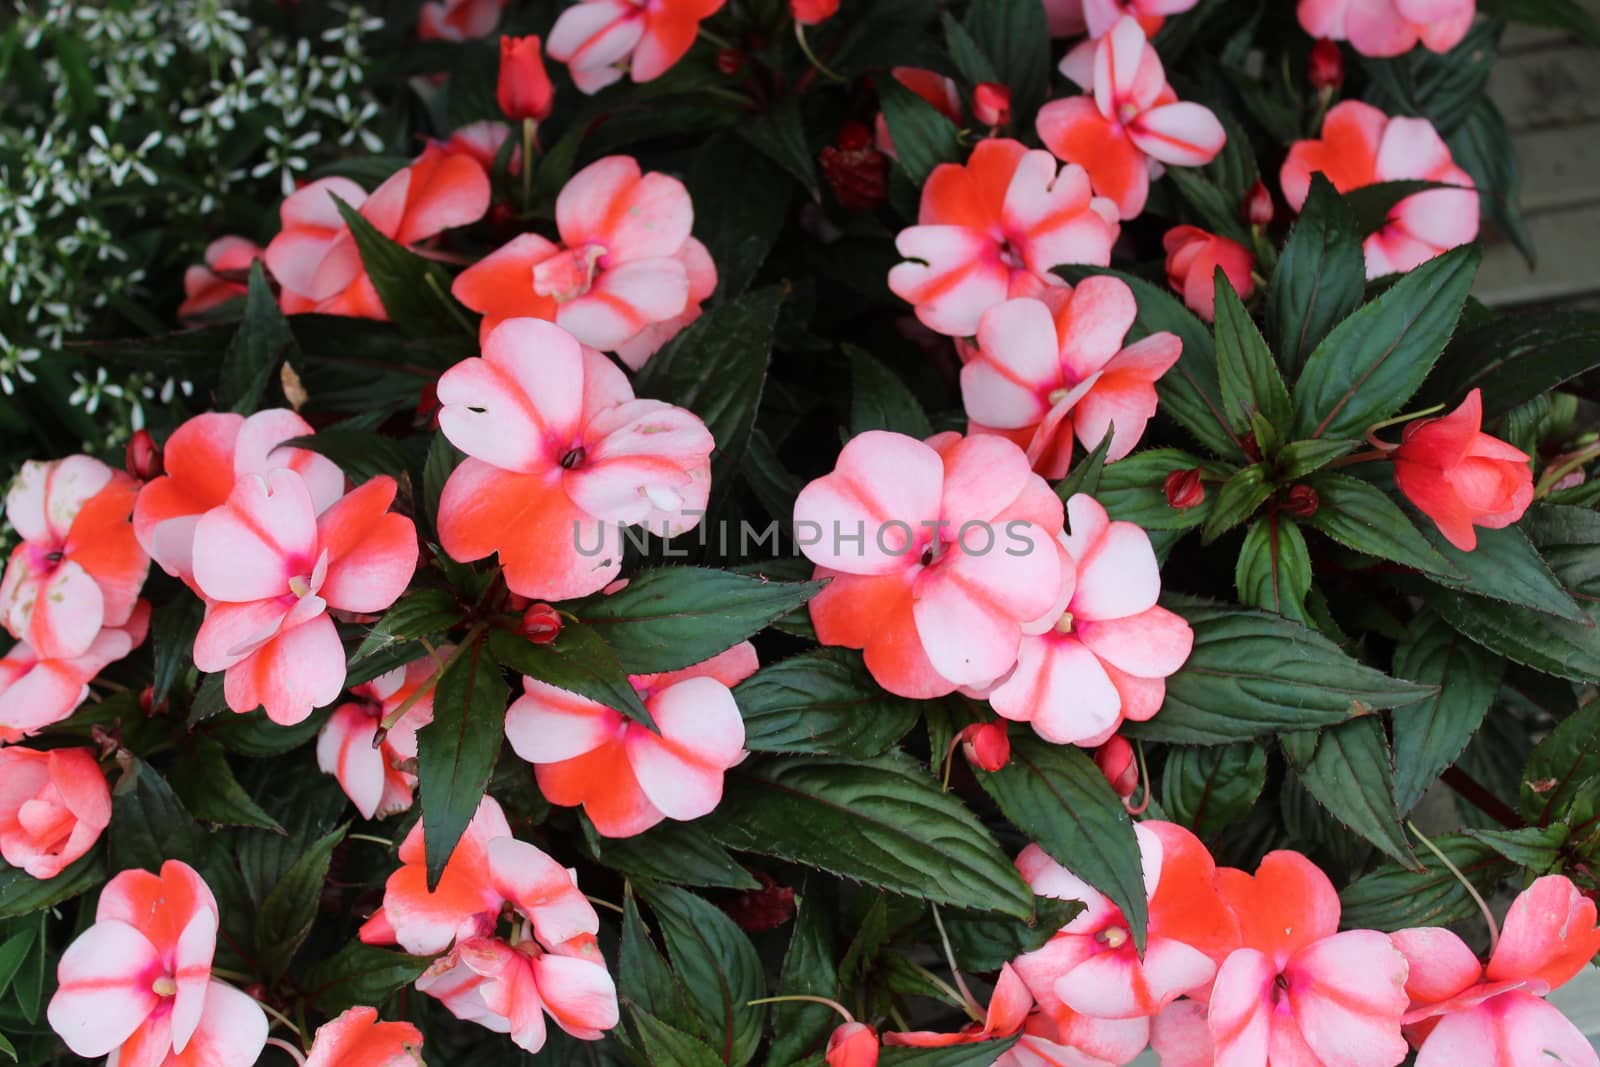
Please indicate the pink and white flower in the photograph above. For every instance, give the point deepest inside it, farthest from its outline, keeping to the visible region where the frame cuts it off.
(379, 777)
(358, 1039)
(600, 39)
(626, 776)
(458, 20)
(271, 569)
(1050, 369)
(223, 276)
(1103, 655)
(561, 456)
(36, 692)
(53, 807)
(625, 265)
(1129, 122)
(993, 228)
(1383, 28)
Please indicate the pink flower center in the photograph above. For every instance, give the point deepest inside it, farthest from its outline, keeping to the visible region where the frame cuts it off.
(43, 559)
(570, 274)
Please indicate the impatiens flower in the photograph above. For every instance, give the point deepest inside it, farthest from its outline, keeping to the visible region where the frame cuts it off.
(938, 553)
(1361, 146)
(933, 87)
(1063, 1038)
(627, 776)
(993, 228)
(36, 692)
(379, 778)
(1193, 257)
(271, 568)
(600, 39)
(1461, 477)
(481, 141)
(1091, 966)
(1298, 991)
(625, 262)
(79, 567)
(1049, 370)
(813, 12)
(1180, 1036)
(1129, 122)
(458, 20)
(524, 90)
(315, 257)
(1106, 655)
(1101, 16)
(509, 988)
(991, 104)
(1383, 28)
(358, 1039)
(221, 278)
(1008, 1010)
(137, 984)
(205, 457)
(560, 457)
(1462, 1013)
(53, 807)
(852, 1045)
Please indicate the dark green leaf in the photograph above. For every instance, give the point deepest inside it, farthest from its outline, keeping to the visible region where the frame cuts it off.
(741, 230)
(360, 974)
(1058, 798)
(923, 138)
(286, 915)
(1431, 734)
(1086, 476)
(1320, 276)
(667, 1046)
(1504, 566)
(1297, 459)
(415, 290)
(1208, 788)
(1249, 378)
(1274, 568)
(965, 53)
(823, 701)
(207, 785)
(172, 629)
(1236, 500)
(1372, 362)
(1562, 766)
(579, 661)
(1531, 638)
(22, 895)
(1016, 38)
(1533, 847)
(14, 952)
(1352, 776)
(880, 401)
(436, 469)
(263, 341)
(1395, 897)
(1361, 516)
(642, 974)
(719, 969)
(1133, 489)
(422, 613)
(456, 752)
(716, 368)
(978, 1054)
(1515, 358)
(149, 824)
(361, 454)
(1217, 210)
(780, 133)
(809, 969)
(672, 617)
(1253, 673)
(883, 821)
(984, 942)
(681, 853)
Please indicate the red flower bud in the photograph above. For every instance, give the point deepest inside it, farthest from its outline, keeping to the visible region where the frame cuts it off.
(1257, 207)
(987, 745)
(1302, 501)
(1184, 489)
(852, 1045)
(811, 12)
(991, 104)
(525, 91)
(730, 61)
(142, 459)
(541, 624)
(761, 909)
(857, 172)
(1325, 71)
(1116, 762)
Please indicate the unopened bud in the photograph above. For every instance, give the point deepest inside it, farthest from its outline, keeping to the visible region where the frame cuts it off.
(991, 103)
(1302, 502)
(1184, 489)
(730, 61)
(1257, 207)
(1325, 70)
(987, 745)
(541, 624)
(142, 458)
(1116, 762)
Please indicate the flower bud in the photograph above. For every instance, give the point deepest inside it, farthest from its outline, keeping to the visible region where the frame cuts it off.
(1325, 70)
(811, 12)
(541, 624)
(852, 1045)
(991, 103)
(142, 459)
(987, 745)
(1116, 762)
(1184, 489)
(857, 172)
(1302, 501)
(1257, 207)
(525, 91)
(730, 61)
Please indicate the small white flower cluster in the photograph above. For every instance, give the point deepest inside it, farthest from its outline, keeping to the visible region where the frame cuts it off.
(152, 116)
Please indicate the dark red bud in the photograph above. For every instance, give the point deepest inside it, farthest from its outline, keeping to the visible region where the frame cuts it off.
(1252, 447)
(541, 624)
(1184, 489)
(991, 103)
(1116, 762)
(1302, 502)
(987, 745)
(1325, 71)
(142, 458)
(730, 61)
(1257, 208)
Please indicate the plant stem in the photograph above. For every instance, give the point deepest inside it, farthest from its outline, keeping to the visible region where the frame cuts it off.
(294, 1053)
(803, 997)
(529, 128)
(805, 46)
(1472, 791)
(428, 686)
(970, 1002)
(1483, 906)
(605, 904)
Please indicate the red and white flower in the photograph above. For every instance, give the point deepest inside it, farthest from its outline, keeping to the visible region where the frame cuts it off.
(36, 692)
(379, 777)
(223, 276)
(1383, 28)
(599, 40)
(53, 807)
